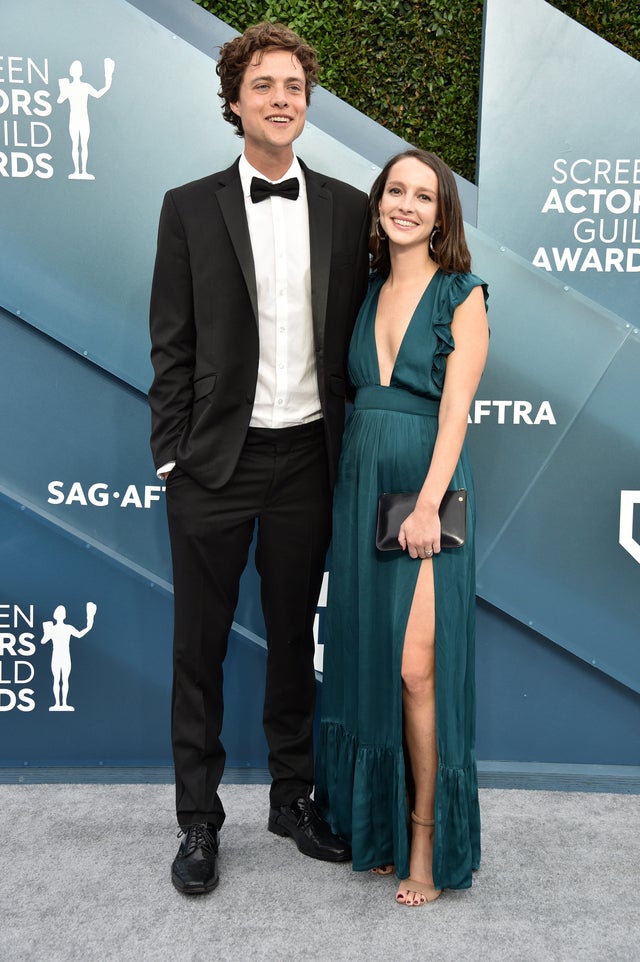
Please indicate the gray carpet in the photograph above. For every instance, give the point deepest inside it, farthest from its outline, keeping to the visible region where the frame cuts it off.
(85, 876)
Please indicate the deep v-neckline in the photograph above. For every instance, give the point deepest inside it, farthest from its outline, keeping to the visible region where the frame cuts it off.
(406, 330)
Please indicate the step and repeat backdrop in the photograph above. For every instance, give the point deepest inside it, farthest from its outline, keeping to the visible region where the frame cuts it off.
(556, 443)
(105, 106)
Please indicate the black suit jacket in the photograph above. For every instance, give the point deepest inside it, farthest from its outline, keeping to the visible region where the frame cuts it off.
(204, 318)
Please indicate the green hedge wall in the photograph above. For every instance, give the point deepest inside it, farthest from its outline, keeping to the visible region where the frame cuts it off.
(414, 65)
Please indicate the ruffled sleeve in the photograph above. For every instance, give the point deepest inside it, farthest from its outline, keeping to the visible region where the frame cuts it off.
(453, 291)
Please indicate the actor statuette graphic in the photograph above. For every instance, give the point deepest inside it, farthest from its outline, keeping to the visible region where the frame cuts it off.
(77, 92)
(59, 633)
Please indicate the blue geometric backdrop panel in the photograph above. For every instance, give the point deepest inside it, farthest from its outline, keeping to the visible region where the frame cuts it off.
(559, 161)
(556, 439)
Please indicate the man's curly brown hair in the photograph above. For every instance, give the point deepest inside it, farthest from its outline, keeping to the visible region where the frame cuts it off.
(237, 54)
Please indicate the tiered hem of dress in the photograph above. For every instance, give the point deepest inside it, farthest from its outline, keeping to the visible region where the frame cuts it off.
(375, 817)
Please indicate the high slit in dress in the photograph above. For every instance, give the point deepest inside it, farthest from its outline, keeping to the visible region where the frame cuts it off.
(361, 775)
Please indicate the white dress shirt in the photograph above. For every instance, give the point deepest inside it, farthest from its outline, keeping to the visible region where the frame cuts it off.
(287, 387)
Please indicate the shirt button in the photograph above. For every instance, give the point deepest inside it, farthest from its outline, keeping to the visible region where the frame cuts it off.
(280, 401)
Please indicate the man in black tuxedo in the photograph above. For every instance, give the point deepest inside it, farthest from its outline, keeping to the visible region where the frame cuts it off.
(259, 274)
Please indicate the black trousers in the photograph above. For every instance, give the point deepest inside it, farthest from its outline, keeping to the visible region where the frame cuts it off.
(281, 482)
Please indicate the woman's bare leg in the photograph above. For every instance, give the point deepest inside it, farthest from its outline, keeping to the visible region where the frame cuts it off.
(419, 704)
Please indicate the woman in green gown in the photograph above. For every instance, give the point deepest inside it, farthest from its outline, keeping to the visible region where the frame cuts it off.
(396, 771)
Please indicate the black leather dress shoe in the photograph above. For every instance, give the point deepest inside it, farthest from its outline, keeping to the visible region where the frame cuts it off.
(302, 822)
(195, 867)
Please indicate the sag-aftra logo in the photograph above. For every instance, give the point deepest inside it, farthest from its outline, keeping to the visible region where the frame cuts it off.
(21, 634)
(29, 95)
(628, 502)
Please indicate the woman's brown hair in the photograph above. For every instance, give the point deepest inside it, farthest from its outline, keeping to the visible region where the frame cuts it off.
(448, 245)
(237, 54)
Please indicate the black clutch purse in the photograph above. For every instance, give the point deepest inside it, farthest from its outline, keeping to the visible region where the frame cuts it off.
(394, 508)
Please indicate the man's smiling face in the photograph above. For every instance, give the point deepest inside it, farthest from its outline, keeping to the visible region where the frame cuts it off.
(272, 102)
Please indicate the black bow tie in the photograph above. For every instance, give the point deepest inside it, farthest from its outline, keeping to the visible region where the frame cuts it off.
(261, 189)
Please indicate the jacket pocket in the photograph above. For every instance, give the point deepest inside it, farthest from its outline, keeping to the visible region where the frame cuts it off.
(204, 386)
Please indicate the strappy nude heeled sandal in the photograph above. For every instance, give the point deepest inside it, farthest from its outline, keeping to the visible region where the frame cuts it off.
(428, 892)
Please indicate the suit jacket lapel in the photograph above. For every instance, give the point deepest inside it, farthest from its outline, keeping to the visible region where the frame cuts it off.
(231, 200)
(320, 202)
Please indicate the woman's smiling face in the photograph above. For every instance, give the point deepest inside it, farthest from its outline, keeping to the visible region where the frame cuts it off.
(409, 208)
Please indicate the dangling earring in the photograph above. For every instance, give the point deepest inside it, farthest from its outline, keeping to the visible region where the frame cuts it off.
(380, 234)
(434, 233)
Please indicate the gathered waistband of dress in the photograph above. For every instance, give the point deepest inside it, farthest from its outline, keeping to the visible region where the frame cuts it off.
(375, 396)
